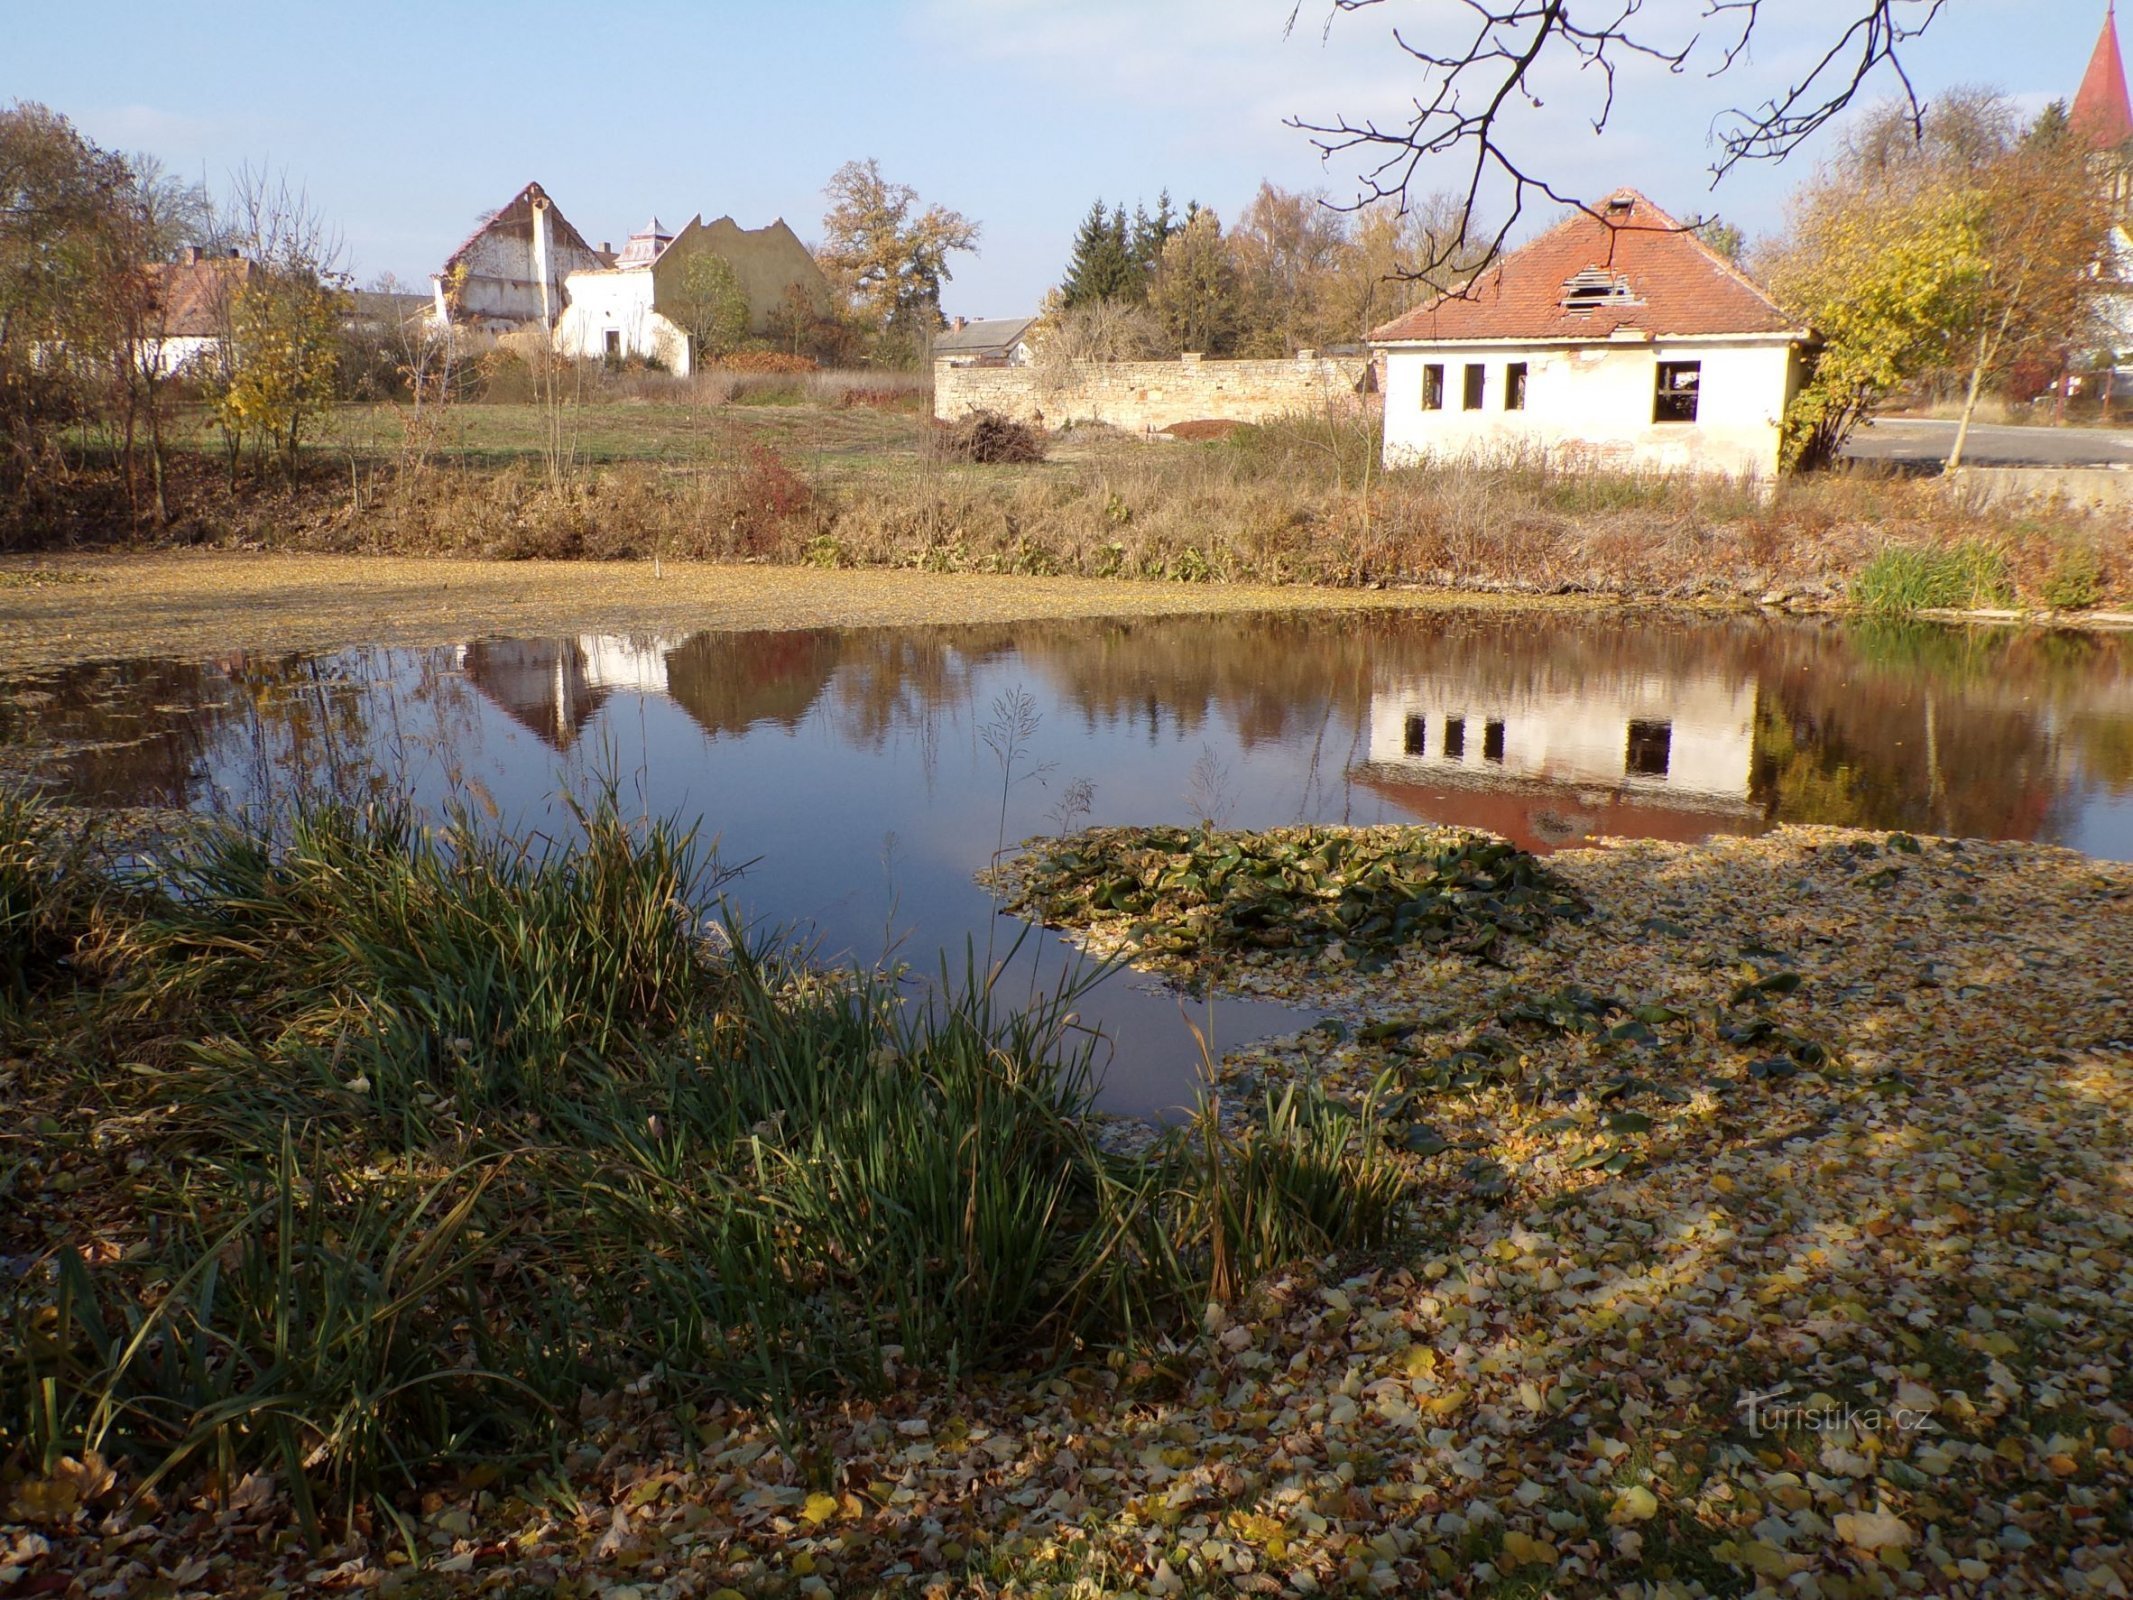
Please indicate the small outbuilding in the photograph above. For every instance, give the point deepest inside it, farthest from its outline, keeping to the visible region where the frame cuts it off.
(1617, 339)
(986, 342)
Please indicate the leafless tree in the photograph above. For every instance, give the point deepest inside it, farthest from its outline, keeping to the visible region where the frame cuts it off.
(1480, 62)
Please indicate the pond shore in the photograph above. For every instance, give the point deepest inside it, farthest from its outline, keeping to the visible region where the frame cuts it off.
(86, 607)
(60, 608)
(1852, 1312)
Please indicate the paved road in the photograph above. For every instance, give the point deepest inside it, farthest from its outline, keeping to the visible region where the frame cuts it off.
(1903, 439)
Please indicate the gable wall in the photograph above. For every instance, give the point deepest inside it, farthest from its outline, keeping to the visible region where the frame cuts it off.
(766, 260)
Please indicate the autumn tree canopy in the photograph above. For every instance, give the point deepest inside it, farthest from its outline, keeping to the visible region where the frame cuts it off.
(886, 255)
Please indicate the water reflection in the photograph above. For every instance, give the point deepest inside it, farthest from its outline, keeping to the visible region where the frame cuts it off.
(853, 769)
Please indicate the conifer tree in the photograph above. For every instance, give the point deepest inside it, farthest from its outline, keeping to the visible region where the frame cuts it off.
(1101, 267)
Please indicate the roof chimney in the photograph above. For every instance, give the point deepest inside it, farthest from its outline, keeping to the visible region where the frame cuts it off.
(192, 255)
(961, 323)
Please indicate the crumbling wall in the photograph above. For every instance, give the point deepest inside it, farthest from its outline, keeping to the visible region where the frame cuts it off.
(1148, 396)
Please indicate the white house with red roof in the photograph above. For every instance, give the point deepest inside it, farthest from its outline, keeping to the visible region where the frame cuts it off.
(1617, 338)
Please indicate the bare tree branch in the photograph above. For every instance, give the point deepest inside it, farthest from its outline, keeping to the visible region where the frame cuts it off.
(1473, 85)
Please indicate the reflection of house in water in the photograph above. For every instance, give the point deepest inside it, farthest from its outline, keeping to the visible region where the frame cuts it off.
(1644, 755)
(554, 687)
(725, 682)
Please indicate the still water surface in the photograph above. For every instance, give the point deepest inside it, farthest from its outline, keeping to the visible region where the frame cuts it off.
(859, 773)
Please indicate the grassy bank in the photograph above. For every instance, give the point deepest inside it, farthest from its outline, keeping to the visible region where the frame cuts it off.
(360, 1160)
(1777, 1234)
(1295, 502)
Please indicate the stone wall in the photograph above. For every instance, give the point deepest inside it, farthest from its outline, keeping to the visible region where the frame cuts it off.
(1149, 396)
(2106, 491)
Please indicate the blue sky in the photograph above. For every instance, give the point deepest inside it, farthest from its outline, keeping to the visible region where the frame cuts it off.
(405, 121)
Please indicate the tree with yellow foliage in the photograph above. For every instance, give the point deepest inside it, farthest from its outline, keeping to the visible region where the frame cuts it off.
(1958, 252)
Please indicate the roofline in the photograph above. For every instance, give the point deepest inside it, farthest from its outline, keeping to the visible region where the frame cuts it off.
(1584, 213)
(1572, 341)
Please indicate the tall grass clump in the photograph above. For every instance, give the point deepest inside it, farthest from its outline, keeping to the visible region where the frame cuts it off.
(1905, 578)
(415, 1138)
(46, 894)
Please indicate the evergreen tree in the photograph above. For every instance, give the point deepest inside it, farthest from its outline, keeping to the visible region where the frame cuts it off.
(1150, 234)
(1101, 267)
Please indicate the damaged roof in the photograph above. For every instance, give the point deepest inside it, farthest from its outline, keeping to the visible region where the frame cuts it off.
(1625, 265)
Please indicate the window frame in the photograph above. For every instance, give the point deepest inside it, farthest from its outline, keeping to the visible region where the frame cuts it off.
(1474, 386)
(1432, 386)
(1514, 385)
(1674, 401)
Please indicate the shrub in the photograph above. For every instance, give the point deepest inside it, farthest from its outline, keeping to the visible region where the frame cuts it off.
(987, 438)
(2075, 581)
(1905, 578)
(777, 363)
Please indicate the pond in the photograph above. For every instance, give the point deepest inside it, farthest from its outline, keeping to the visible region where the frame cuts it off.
(864, 778)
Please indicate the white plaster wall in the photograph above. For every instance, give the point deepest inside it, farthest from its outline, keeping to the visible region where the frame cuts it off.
(168, 357)
(618, 300)
(1580, 737)
(1592, 403)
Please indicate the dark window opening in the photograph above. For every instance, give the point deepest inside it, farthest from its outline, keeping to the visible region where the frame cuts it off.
(614, 345)
(1679, 383)
(1651, 746)
(1417, 740)
(1492, 740)
(1594, 287)
(1454, 737)
(1514, 386)
(1477, 378)
(1433, 387)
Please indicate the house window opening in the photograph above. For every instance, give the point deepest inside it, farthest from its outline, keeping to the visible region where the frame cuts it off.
(1477, 378)
(1514, 386)
(1492, 740)
(1679, 384)
(1433, 387)
(1454, 738)
(613, 345)
(1416, 740)
(1651, 748)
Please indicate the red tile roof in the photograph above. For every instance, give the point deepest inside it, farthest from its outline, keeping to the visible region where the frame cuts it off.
(1643, 270)
(192, 293)
(2102, 114)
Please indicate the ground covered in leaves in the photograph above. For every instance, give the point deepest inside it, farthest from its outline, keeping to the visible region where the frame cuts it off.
(1774, 1236)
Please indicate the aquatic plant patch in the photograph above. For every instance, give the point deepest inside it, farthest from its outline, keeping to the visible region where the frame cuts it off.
(1185, 899)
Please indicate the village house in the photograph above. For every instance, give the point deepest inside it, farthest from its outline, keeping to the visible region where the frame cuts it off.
(1617, 338)
(628, 305)
(986, 342)
(189, 301)
(508, 273)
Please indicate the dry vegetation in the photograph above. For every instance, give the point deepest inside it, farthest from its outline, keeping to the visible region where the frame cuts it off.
(822, 470)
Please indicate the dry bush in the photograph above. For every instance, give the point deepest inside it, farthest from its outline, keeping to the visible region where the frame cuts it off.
(986, 438)
(774, 362)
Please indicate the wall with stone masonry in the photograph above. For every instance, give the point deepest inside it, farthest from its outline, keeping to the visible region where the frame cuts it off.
(1149, 396)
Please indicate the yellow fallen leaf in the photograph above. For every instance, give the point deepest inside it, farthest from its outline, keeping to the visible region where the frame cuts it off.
(819, 1508)
(1634, 1504)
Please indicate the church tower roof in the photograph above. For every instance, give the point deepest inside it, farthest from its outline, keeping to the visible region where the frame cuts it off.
(2103, 115)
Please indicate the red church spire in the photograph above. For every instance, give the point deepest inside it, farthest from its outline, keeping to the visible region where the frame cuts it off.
(2103, 114)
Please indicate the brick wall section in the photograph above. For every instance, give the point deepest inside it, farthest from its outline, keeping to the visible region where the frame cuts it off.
(1148, 396)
